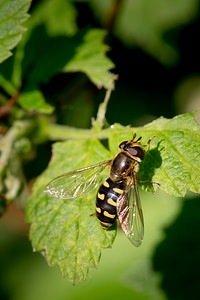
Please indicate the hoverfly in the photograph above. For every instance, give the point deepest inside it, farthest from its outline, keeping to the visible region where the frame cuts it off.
(117, 196)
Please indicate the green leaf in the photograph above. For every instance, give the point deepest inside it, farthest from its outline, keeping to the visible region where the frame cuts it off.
(34, 100)
(146, 23)
(173, 160)
(12, 15)
(11, 175)
(33, 56)
(124, 267)
(90, 59)
(84, 52)
(58, 16)
(64, 229)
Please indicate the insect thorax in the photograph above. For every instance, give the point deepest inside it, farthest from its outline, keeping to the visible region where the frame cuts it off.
(123, 165)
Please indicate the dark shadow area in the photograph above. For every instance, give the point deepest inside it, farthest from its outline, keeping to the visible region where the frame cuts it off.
(151, 162)
(39, 51)
(38, 162)
(16, 257)
(177, 258)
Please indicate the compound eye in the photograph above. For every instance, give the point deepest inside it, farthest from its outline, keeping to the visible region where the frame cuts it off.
(136, 151)
(121, 146)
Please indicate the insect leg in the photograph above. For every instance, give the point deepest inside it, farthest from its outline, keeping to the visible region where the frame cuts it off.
(148, 144)
(92, 215)
(142, 181)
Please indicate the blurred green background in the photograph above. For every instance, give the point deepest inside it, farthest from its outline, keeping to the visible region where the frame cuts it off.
(155, 48)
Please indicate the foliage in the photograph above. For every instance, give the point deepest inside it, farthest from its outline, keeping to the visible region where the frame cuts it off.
(12, 15)
(55, 49)
(152, 22)
(124, 270)
(72, 238)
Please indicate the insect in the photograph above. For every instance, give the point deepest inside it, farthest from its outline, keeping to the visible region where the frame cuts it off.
(117, 196)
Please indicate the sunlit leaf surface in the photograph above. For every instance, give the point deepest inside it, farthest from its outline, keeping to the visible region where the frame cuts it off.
(90, 59)
(34, 100)
(173, 160)
(12, 15)
(64, 228)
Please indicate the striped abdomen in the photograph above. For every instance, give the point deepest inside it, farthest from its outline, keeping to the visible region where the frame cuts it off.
(106, 202)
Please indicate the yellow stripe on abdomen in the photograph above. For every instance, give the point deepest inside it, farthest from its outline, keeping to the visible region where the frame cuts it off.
(111, 202)
(101, 196)
(98, 209)
(106, 224)
(117, 190)
(106, 184)
(106, 214)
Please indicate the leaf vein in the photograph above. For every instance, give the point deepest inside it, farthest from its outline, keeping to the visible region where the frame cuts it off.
(166, 175)
(182, 159)
(50, 221)
(59, 240)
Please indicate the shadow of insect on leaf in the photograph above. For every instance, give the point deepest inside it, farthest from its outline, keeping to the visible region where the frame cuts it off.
(148, 166)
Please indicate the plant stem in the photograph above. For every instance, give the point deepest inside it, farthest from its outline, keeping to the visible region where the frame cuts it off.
(20, 128)
(7, 86)
(110, 17)
(56, 132)
(99, 122)
(4, 110)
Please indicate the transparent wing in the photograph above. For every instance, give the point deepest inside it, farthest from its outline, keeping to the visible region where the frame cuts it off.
(76, 183)
(130, 214)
